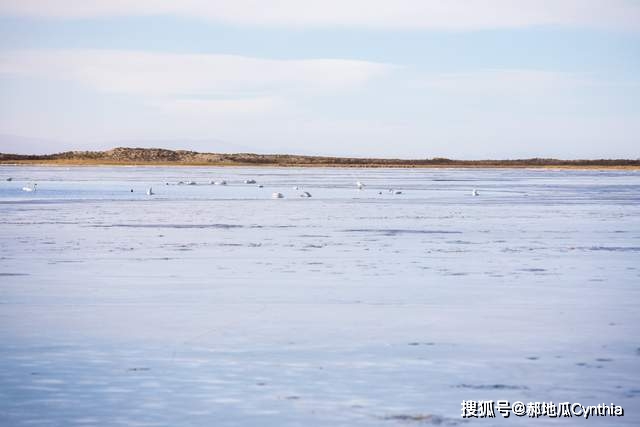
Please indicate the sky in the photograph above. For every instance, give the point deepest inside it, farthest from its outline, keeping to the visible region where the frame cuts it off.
(472, 79)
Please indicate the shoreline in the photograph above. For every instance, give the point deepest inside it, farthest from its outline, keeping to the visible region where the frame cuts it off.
(453, 165)
(127, 156)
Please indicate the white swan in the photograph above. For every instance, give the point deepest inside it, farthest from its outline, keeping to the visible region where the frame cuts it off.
(277, 196)
(221, 182)
(150, 192)
(30, 187)
(475, 192)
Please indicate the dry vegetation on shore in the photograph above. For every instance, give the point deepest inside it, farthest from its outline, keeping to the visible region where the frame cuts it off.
(158, 156)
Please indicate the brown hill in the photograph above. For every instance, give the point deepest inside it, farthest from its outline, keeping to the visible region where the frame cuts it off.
(159, 156)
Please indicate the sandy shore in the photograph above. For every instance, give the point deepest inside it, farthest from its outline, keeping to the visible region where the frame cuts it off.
(127, 156)
(317, 165)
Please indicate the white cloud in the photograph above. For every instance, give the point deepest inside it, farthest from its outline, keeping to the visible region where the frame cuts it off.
(386, 14)
(164, 74)
(195, 86)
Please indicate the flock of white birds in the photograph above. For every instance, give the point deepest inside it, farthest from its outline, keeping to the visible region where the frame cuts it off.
(31, 187)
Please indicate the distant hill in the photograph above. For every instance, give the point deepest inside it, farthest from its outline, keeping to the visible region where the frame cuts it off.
(159, 156)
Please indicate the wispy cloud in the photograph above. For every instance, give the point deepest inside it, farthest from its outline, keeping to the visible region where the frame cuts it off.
(195, 85)
(398, 14)
(147, 73)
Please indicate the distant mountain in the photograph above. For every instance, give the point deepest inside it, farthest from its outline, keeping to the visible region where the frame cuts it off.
(28, 145)
(210, 145)
(150, 156)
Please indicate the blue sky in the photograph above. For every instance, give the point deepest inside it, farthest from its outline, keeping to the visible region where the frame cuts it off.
(461, 79)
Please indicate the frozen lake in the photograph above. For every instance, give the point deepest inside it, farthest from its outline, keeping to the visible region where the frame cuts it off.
(209, 305)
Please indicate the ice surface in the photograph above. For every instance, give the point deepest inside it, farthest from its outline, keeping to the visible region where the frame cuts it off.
(217, 305)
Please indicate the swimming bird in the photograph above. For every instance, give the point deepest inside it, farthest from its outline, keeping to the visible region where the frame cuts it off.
(475, 192)
(359, 185)
(260, 186)
(150, 192)
(221, 182)
(9, 179)
(305, 194)
(277, 196)
(249, 181)
(30, 187)
(398, 192)
(191, 183)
